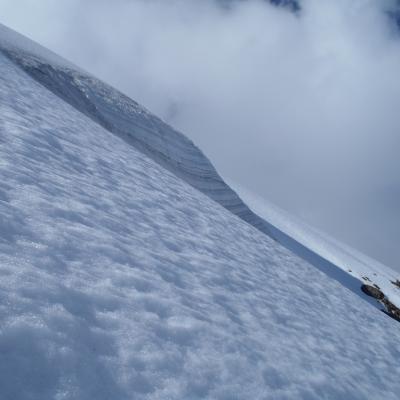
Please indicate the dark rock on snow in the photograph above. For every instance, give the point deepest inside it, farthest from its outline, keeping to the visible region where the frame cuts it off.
(376, 293)
(373, 292)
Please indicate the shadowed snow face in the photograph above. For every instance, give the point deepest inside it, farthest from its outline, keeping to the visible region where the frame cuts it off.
(301, 108)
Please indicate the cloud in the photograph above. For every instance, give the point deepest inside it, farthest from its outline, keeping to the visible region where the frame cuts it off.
(300, 108)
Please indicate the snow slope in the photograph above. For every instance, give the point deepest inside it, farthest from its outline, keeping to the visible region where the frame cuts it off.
(341, 262)
(124, 117)
(139, 128)
(120, 280)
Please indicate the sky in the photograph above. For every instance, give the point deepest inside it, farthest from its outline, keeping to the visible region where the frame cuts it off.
(300, 109)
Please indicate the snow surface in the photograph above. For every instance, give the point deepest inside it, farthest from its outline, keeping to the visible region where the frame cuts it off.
(352, 267)
(139, 128)
(126, 118)
(118, 280)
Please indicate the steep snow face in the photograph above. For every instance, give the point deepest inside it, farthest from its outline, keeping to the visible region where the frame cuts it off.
(119, 280)
(124, 117)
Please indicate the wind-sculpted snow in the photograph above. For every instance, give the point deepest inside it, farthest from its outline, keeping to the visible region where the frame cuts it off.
(118, 280)
(123, 116)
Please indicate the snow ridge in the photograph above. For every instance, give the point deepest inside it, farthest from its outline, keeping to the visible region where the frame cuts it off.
(126, 118)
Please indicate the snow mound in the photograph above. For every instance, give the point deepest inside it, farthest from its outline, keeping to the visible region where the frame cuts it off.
(119, 280)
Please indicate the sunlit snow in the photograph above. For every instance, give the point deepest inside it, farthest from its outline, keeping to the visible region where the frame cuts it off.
(118, 280)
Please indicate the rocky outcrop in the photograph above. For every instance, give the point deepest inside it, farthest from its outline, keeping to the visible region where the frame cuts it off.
(389, 308)
(372, 291)
(396, 283)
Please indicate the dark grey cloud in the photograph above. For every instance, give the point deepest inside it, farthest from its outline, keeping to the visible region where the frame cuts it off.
(299, 107)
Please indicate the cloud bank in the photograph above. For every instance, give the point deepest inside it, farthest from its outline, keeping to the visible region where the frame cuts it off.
(300, 108)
